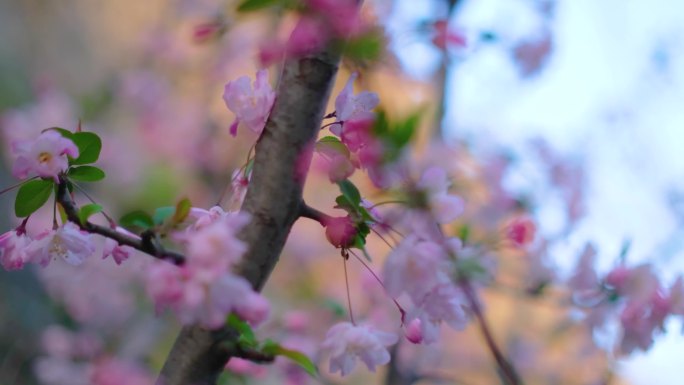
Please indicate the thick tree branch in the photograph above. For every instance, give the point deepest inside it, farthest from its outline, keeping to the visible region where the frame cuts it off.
(274, 199)
(144, 244)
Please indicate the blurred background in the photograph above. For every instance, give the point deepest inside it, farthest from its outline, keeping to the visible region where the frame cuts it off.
(593, 85)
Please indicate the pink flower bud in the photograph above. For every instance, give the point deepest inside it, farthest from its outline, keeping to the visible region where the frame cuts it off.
(340, 231)
(414, 333)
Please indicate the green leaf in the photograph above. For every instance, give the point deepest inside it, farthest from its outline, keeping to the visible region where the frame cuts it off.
(247, 337)
(161, 214)
(367, 47)
(87, 211)
(137, 218)
(89, 147)
(464, 233)
(32, 196)
(255, 5)
(86, 173)
(470, 268)
(403, 131)
(301, 359)
(350, 192)
(182, 210)
(96, 103)
(330, 144)
(337, 309)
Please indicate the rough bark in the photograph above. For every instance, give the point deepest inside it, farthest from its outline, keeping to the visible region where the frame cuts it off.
(274, 197)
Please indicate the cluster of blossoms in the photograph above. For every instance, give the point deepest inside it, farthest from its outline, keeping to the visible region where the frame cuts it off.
(77, 358)
(321, 22)
(635, 292)
(47, 157)
(205, 290)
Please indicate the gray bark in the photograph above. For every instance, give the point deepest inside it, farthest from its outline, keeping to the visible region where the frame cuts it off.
(274, 198)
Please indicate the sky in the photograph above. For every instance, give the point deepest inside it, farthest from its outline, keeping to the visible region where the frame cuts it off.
(611, 93)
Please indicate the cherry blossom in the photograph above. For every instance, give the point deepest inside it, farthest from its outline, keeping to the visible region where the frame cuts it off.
(250, 104)
(46, 156)
(198, 298)
(111, 371)
(445, 207)
(204, 290)
(350, 107)
(520, 231)
(415, 267)
(118, 252)
(13, 249)
(67, 242)
(444, 303)
(345, 342)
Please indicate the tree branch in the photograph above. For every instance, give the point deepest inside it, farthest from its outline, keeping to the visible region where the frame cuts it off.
(143, 244)
(506, 369)
(274, 200)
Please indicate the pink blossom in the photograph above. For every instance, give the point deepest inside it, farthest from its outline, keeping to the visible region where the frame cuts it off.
(13, 250)
(445, 38)
(244, 367)
(270, 52)
(342, 15)
(444, 206)
(444, 303)
(414, 332)
(344, 343)
(251, 105)
(415, 266)
(296, 321)
(677, 297)
(238, 185)
(118, 252)
(204, 290)
(638, 282)
(357, 133)
(204, 32)
(110, 371)
(349, 107)
(339, 168)
(57, 341)
(61, 371)
(215, 248)
(584, 282)
(308, 36)
(637, 327)
(520, 231)
(195, 298)
(67, 242)
(45, 156)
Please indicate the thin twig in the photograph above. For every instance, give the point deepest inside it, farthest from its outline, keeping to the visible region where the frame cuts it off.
(306, 211)
(16, 185)
(346, 281)
(111, 221)
(150, 248)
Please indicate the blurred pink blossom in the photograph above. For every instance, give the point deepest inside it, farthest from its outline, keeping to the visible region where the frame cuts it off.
(250, 104)
(13, 250)
(345, 342)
